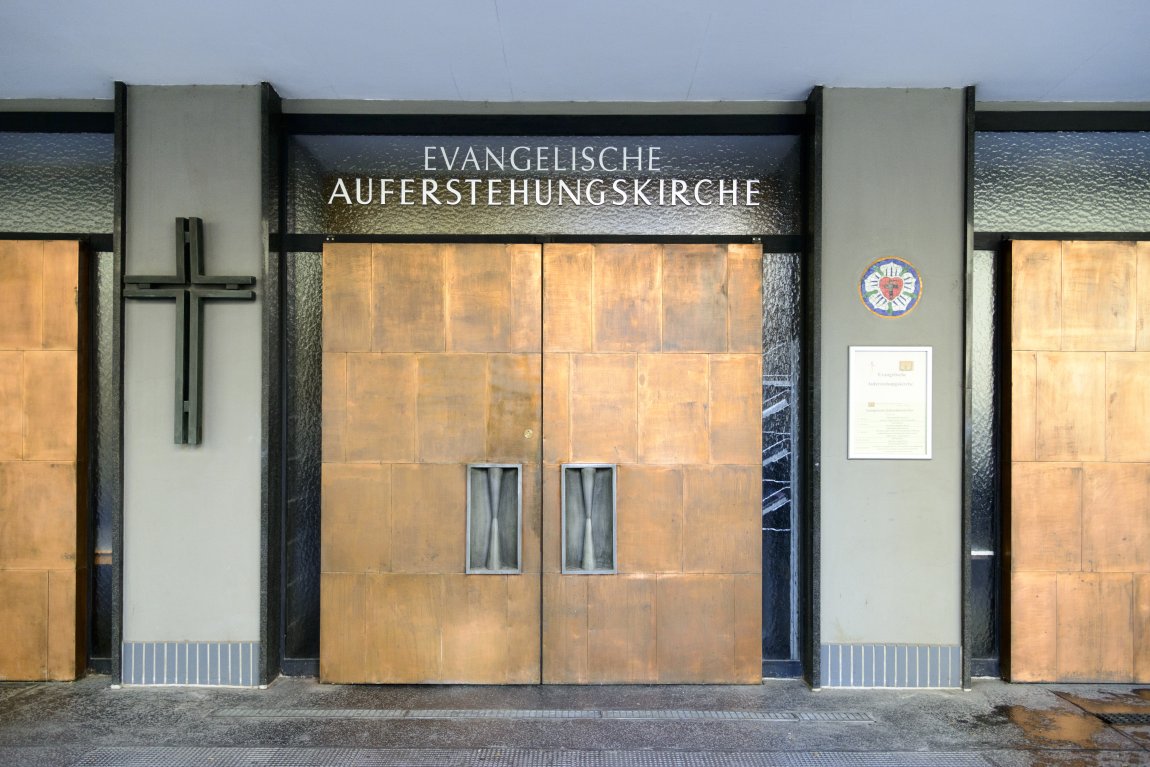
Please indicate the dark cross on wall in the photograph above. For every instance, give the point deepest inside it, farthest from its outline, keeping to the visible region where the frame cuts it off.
(189, 288)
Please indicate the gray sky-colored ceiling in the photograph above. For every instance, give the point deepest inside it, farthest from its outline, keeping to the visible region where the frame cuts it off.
(572, 50)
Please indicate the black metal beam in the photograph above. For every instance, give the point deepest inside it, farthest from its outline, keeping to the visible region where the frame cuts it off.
(273, 426)
(1047, 121)
(313, 243)
(969, 117)
(992, 240)
(811, 401)
(58, 122)
(114, 451)
(544, 125)
(96, 242)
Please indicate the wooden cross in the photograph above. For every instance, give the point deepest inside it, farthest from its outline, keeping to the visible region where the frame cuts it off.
(189, 287)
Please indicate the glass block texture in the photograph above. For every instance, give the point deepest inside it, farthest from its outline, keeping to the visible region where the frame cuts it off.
(56, 182)
(488, 553)
(985, 515)
(579, 484)
(105, 469)
(1062, 182)
(314, 162)
(781, 344)
(303, 313)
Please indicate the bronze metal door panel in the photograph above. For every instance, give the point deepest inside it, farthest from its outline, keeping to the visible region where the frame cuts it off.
(1080, 481)
(652, 363)
(433, 365)
(43, 566)
(644, 358)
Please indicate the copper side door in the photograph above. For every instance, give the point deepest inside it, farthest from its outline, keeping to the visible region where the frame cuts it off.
(43, 496)
(652, 363)
(1080, 462)
(431, 362)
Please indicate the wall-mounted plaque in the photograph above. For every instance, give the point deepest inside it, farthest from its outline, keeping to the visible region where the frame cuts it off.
(890, 402)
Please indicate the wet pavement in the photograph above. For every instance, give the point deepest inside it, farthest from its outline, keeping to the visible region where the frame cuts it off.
(299, 723)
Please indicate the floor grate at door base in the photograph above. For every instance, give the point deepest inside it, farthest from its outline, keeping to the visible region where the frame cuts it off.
(812, 717)
(339, 757)
(1125, 719)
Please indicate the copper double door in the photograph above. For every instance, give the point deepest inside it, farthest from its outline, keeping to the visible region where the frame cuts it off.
(441, 357)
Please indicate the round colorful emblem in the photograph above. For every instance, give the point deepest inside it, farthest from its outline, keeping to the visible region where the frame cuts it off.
(890, 287)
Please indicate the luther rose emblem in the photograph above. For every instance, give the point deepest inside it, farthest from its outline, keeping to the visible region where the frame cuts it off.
(890, 287)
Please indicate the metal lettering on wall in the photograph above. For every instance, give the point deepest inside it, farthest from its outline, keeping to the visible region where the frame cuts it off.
(189, 287)
(522, 185)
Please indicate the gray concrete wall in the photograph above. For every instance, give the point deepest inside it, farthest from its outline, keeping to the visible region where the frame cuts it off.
(192, 513)
(891, 530)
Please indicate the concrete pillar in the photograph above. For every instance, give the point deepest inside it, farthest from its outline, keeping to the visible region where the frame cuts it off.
(192, 514)
(891, 530)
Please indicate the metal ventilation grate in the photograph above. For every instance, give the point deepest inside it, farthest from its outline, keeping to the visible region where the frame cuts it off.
(497, 757)
(813, 717)
(1127, 718)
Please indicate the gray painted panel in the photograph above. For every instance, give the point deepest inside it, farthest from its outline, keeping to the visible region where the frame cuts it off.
(191, 663)
(192, 514)
(892, 185)
(879, 665)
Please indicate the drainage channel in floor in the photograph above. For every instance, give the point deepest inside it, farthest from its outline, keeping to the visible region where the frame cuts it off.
(1124, 719)
(840, 717)
(340, 757)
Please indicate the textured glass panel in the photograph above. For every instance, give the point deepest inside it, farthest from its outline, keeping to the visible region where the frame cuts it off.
(303, 311)
(984, 468)
(984, 608)
(305, 196)
(105, 415)
(56, 182)
(781, 342)
(319, 162)
(985, 523)
(1062, 182)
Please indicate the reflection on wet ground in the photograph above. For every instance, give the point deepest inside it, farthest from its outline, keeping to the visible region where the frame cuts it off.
(1136, 701)
(1058, 728)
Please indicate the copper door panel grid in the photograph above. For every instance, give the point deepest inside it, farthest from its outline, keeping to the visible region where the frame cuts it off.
(651, 298)
(1080, 488)
(437, 365)
(42, 580)
(459, 384)
(1036, 299)
(1142, 329)
(1023, 404)
(1127, 406)
(22, 295)
(11, 405)
(1033, 605)
(1071, 406)
(661, 394)
(694, 305)
(1141, 626)
(1116, 517)
(1099, 296)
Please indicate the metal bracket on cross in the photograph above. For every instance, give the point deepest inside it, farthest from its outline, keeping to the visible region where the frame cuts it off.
(189, 287)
